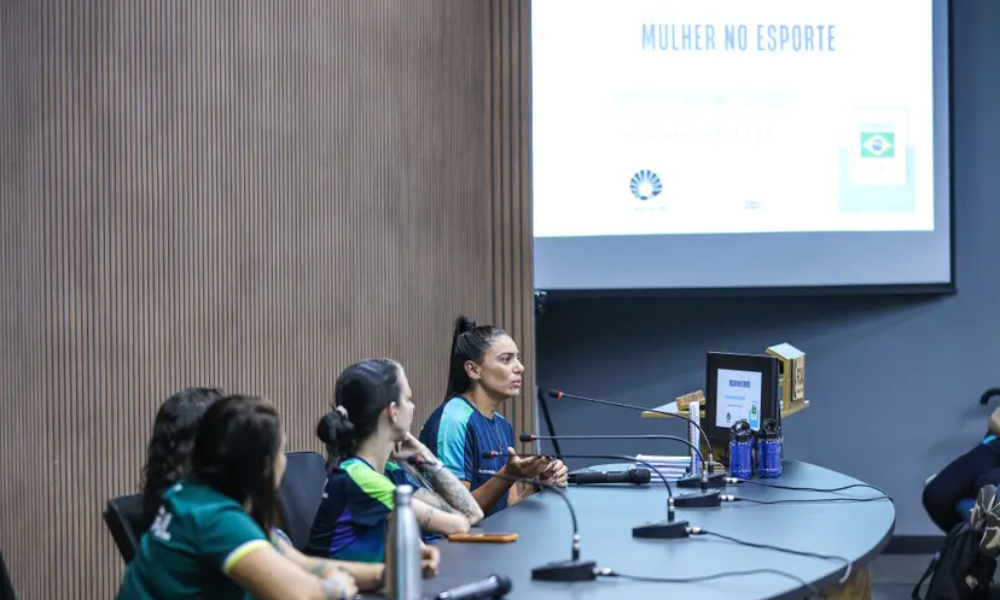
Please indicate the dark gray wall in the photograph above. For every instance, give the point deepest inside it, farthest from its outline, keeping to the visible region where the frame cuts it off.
(893, 380)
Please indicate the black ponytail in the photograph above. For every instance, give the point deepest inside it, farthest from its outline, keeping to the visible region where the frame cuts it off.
(363, 391)
(337, 433)
(468, 342)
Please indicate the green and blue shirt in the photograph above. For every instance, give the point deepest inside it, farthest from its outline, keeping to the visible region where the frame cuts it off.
(197, 537)
(352, 518)
(459, 435)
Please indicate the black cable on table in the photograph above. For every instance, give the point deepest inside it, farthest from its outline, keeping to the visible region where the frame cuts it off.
(780, 486)
(762, 546)
(724, 574)
(809, 500)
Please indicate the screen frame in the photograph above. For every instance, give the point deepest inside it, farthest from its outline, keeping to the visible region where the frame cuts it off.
(924, 289)
(765, 364)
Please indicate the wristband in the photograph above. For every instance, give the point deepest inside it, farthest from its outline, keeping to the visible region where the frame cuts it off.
(431, 469)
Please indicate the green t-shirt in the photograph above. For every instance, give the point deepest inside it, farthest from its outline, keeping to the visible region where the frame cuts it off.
(197, 537)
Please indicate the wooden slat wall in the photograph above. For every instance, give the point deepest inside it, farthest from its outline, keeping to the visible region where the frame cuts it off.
(509, 116)
(250, 195)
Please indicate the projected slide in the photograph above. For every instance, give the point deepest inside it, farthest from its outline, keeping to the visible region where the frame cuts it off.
(664, 117)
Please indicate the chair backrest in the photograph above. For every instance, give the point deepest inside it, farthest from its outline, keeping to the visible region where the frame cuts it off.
(124, 518)
(6, 587)
(301, 494)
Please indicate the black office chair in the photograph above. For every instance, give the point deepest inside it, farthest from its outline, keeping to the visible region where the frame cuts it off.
(301, 494)
(6, 587)
(124, 518)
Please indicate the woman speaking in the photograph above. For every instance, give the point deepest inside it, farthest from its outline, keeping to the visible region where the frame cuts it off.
(484, 372)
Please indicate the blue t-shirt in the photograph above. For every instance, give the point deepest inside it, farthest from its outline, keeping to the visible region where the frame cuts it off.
(459, 435)
(352, 518)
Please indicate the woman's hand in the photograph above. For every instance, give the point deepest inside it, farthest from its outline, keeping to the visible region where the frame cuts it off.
(430, 558)
(525, 468)
(411, 446)
(556, 473)
(339, 580)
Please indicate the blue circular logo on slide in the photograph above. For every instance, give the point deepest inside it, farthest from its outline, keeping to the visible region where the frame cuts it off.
(645, 184)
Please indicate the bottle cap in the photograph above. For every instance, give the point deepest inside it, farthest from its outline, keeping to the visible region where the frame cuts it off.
(770, 429)
(740, 431)
(402, 495)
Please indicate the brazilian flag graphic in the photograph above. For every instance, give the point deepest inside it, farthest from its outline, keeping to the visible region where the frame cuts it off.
(878, 144)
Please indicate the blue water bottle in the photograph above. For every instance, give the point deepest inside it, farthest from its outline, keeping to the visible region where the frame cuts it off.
(740, 450)
(770, 450)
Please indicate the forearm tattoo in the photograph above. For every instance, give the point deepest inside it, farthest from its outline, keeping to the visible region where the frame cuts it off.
(454, 493)
(431, 499)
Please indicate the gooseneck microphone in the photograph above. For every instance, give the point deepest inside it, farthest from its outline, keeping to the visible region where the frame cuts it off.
(570, 570)
(669, 529)
(711, 479)
(490, 588)
(704, 499)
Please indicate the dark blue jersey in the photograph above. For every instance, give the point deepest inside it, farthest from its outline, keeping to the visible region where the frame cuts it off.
(459, 435)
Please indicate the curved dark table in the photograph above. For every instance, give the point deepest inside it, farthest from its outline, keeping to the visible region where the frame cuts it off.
(857, 531)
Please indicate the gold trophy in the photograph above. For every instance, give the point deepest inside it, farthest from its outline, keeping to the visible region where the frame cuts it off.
(792, 379)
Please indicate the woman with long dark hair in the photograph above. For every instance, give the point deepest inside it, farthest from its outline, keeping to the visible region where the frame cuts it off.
(484, 372)
(168, 456)
(367, 436)
(210, 537)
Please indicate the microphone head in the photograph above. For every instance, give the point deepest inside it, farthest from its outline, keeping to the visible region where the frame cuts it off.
(503, 585)
(555, 394)
(638, 476)
(491, 454)
(527, 437)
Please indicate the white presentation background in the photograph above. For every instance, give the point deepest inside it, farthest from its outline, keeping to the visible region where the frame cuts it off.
(729, 143)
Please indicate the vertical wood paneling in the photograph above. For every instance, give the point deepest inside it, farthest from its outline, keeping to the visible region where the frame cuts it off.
(247, 195)
(509, 121)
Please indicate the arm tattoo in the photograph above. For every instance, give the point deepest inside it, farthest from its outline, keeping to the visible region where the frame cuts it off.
(425, 523)
(431, 499)
(454, 493)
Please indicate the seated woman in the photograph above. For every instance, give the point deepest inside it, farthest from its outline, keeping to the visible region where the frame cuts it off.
(168, 456)
(368, 429)
(209, 540)
(484, 372)
(169, 461)
(965, 477)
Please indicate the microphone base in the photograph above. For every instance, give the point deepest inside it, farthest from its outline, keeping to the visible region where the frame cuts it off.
(715, 480)
(662, 530)
(566, 571)
(698, 500)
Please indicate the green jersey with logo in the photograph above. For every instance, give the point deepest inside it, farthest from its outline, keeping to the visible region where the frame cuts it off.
(196, 539)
